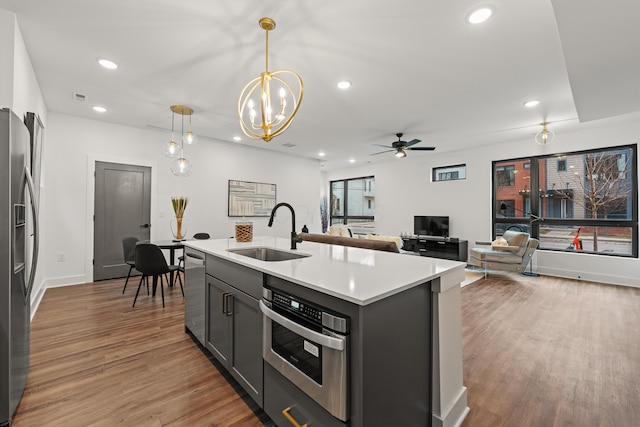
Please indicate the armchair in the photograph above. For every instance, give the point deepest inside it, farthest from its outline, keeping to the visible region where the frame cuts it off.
(515, 256)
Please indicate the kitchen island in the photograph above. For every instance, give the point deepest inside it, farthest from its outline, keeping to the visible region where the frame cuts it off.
(405, 342)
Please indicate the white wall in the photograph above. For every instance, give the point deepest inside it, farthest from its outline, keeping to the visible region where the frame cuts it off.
(74, 144)
(404, 189)
(7, 32)
(20, 91)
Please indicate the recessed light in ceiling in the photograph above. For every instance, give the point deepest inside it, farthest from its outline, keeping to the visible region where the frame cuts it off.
(321, 154)
(344, 84)
(479, 15)
(352, 160)
(237, 138)
(532, 103)
(109, 65)
(99, 109)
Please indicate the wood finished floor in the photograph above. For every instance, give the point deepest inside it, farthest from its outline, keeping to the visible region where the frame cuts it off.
(537, 352)
(96, 361)
(551, 352)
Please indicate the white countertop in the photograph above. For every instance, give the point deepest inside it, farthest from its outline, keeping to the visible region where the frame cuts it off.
(361, 276)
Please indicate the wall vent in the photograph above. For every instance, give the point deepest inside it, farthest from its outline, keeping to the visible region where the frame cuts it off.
(79, 97)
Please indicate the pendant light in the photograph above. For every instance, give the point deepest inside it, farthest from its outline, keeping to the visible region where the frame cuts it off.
(171, 148)
(181, 166)
(268, 104)
(545, 136)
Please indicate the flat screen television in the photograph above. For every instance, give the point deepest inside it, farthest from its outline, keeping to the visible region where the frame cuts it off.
(434, 226)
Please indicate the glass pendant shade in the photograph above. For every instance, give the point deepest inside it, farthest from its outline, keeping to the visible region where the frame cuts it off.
(181, 167)
(190, 138)
(172, 149)
(545, 136)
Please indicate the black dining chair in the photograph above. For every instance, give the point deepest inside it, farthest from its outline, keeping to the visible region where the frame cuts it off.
(129, 248)
(150, 261)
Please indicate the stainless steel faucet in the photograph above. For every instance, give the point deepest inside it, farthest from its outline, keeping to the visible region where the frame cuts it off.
(294, 236)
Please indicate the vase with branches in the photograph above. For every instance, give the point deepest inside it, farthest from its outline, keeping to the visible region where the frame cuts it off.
(179, 205)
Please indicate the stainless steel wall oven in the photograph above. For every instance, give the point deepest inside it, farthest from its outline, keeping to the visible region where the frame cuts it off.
(308, 344)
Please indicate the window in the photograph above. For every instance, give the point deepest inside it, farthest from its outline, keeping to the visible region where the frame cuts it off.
(449, 173)
(353, 203)
(562, 165)
(585, 201)
(505, 176)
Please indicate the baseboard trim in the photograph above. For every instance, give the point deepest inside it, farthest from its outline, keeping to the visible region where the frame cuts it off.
(456, 413)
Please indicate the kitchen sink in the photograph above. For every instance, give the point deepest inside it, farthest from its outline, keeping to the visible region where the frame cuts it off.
(267, 254)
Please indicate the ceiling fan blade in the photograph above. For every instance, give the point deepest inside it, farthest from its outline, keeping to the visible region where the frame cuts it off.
(385, 146)
(421, 148)
(412, 142)
(381, 152)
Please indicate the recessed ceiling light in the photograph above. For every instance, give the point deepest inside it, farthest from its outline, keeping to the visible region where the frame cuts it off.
(110, 65)
(321, 154)
(480, 15)
(352, 160)
(237, 138)
(532, 103)
(99, 109)
(344, 84)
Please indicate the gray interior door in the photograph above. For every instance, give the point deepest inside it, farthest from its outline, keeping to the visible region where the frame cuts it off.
(122, 208)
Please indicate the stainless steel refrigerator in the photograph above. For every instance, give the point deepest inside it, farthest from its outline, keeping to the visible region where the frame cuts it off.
(18, 256)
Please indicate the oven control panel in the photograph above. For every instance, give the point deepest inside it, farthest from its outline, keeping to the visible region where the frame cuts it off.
(303, 309)
(312, 313)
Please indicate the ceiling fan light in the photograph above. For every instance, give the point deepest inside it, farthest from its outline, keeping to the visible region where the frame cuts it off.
(400, 154)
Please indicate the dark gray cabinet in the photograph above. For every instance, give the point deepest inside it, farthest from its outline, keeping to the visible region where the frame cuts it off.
(390, 368)
(194, 293)
(234, 322)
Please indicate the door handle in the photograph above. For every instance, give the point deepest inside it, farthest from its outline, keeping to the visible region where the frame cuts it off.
(290, 418)
(145, 225)
(225, 303)
(36, 243)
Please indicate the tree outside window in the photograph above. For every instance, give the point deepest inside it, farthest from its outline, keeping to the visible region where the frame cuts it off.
(589, 196)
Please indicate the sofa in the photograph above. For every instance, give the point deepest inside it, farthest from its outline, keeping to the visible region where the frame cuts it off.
(378, 245)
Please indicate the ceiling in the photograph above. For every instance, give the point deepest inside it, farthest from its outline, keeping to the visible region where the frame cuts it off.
(416, 67)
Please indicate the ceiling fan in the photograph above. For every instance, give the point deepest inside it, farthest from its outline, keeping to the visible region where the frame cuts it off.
(400, 146)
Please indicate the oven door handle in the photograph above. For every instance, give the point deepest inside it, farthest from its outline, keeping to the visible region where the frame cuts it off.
(323, 340)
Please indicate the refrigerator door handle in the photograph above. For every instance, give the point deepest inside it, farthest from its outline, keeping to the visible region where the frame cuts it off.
(34, 258)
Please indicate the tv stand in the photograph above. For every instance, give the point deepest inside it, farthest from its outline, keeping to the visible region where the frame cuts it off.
(438, 247)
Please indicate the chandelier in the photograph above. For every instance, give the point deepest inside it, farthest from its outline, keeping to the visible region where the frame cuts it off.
(180, 166)
(545, 136)
(268, 103)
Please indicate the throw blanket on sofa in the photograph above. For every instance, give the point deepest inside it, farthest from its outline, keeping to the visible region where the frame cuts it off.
(379, 245)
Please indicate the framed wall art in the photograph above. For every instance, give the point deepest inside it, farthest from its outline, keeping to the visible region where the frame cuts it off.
(251, 198)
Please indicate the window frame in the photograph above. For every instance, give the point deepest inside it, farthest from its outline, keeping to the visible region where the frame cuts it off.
(438, 172)
(344, 219)
(500, 220)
